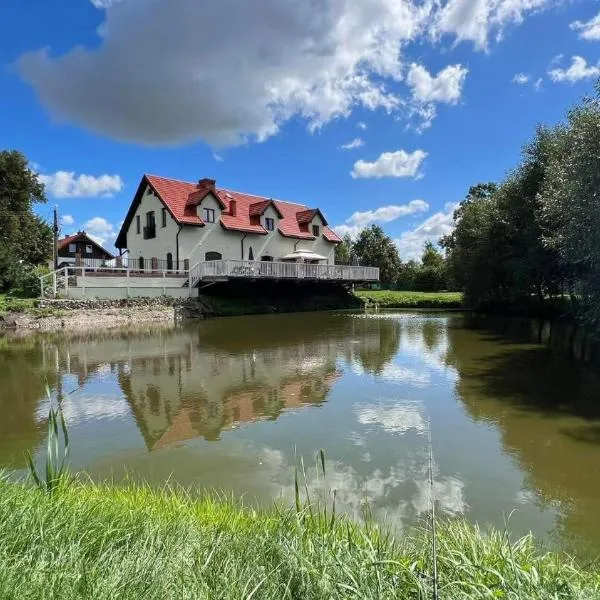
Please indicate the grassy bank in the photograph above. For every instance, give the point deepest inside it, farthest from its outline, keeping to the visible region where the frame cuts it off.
(86, 541)
(404, 299)
(16, 305)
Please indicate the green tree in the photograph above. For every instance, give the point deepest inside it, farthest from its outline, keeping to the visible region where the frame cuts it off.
(25, 238)
(534, 267)
(571, 204)
(374, 248)
(475, 248)
(431, 273)
(343, 251)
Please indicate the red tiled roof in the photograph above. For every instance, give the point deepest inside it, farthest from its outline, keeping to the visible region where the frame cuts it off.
(258, 208)
(331, 236)
(182, 199)
(62, 244)
(306, 216)
(81, 236)
(235, 223)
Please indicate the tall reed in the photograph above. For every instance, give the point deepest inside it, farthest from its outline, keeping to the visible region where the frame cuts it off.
(57, 450)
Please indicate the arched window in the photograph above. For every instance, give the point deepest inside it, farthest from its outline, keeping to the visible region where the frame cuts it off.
(213, 256)
(141, 263)
(169, 262)
(266, 258)
(250, 254)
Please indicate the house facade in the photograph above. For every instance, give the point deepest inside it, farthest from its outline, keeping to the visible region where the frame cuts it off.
(80, 246)
(187, 223)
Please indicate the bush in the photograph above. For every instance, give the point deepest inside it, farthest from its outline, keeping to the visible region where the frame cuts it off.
(26, 282)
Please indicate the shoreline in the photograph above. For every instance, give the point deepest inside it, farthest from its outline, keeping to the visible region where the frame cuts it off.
(78, 315)
(87, 314)
(121, 542)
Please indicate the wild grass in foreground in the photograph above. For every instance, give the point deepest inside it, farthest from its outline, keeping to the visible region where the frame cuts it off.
(92, 541)
(405, 299)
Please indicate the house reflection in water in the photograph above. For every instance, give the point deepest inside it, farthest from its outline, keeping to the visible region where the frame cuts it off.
(197, 385)
(173, 402)
(201, 378)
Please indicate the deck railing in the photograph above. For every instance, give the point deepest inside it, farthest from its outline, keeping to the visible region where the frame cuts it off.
(252, 269)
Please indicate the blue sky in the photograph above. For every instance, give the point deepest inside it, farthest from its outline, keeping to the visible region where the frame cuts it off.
(436, 95)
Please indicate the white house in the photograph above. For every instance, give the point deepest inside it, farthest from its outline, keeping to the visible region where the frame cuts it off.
(176, 222)
(178, 237)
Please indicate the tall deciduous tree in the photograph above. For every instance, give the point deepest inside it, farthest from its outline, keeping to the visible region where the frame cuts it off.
(25, 238)
(570, 198)
(374, 248)
(474, 247)
(343, 251)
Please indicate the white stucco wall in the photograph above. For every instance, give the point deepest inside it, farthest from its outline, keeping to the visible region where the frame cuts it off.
(195, 242)
(165, 240)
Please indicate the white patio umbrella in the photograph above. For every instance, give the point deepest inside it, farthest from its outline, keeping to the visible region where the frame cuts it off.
(304, 255)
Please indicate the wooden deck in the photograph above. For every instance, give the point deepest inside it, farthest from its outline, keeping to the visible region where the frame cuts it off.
(223, 270)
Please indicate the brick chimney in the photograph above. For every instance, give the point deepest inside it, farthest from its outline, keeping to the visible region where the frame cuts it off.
(207, 184)
(233, 207)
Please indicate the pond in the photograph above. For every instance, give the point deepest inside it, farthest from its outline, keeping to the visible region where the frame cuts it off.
(232, 404)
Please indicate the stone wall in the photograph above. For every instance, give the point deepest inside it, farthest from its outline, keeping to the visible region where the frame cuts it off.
(103, 303)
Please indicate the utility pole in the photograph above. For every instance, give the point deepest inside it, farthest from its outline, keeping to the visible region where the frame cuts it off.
(55, 243)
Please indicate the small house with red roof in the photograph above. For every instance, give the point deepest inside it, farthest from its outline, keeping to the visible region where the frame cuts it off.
(81, 247)
(181, 223)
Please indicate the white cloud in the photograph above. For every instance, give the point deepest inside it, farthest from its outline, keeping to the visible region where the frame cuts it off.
(384, 214)
(218, 157)
(65, 184)
(361, 125)
(578, 70)
(297, 61)
(410, 243)
(317, 61)
(67, 220)
(352, 230)
(100, 230)
(539, 84)
(391, 164)
(521, 78)
(445, 87)
(355, 143)
(478, 20)
(102, 4)
(588, 30)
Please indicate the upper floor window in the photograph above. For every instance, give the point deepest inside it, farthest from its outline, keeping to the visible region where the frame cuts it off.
(88, 249)
(150, 229)
(269, 224)
(138, 222)
(209, 215)
(316, 229)
(164, 217)
(72, 247)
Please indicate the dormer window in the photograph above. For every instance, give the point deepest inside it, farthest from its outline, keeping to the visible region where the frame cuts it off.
(269, 224)
(316, 230)
(72, 248)
(209, 215)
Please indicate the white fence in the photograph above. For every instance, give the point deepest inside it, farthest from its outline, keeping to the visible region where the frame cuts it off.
(252, 269)
(111, 281)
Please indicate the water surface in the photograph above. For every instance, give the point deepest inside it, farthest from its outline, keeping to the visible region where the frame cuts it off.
(230, 403)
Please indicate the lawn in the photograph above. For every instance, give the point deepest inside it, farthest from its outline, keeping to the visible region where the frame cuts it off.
(405, 299)
(85, 541)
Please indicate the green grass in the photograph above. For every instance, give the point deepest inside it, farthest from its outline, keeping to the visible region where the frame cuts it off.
(17, 305)
(404, 299)
(88, 541)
